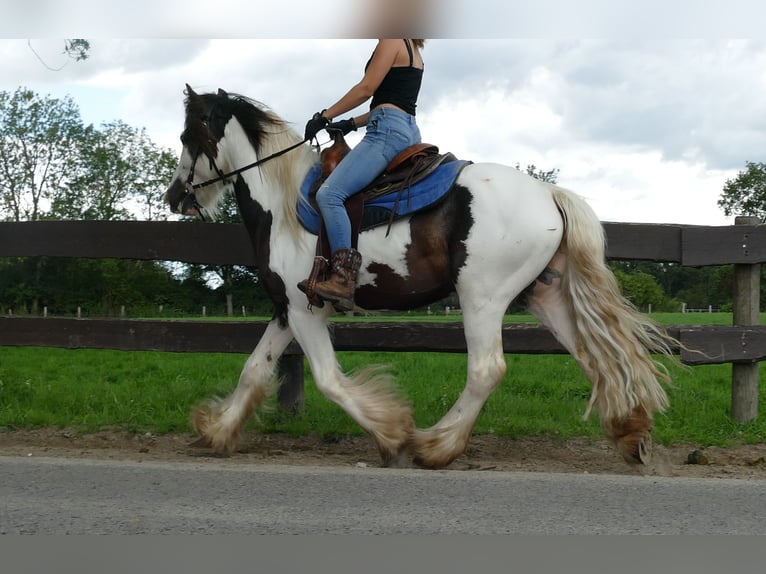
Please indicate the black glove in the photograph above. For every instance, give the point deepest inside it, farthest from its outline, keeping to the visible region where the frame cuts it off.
(343, 126)
(317, 123)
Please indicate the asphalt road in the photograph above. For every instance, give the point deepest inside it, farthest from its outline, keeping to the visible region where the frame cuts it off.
(61, 496)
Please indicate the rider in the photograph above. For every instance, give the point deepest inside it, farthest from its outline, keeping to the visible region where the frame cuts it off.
(392, 77)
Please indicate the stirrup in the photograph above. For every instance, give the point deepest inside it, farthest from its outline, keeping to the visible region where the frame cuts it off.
(308, 286)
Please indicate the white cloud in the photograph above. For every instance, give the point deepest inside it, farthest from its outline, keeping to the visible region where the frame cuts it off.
(648, 130)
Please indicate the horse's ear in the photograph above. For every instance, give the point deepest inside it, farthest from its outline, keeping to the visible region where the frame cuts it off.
(190, 91)
(222, 92)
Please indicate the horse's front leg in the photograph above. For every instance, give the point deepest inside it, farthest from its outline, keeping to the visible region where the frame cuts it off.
(369, 396)
(220, 421)
(439, 445)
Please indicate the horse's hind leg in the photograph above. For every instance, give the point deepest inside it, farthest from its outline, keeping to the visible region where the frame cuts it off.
(547, 301)
(439, 445)
(220, 421)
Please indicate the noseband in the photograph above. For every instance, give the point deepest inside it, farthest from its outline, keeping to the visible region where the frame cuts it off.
(189, 186)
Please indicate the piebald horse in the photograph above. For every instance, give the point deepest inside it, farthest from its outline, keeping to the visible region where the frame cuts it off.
(498, 236)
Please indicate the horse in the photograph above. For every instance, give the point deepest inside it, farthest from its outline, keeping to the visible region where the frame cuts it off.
(499, 236)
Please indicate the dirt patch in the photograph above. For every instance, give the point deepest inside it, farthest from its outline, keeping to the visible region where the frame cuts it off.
(485, 452)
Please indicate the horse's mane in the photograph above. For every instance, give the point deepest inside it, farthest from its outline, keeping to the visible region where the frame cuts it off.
(266, 132)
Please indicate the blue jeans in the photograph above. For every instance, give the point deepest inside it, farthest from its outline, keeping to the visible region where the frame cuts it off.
(389, 131)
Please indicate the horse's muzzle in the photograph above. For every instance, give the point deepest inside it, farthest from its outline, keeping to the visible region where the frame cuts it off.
(181, 199)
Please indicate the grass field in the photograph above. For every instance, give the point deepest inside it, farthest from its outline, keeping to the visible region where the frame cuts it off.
(541, 395)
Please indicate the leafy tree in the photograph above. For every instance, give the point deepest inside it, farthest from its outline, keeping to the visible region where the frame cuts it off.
(698, 287)
(78, 49)
(120, 174)
(37, 135)
(640, 288)
(746, 193)
(51, 166)
(237, 279)
(550, 176)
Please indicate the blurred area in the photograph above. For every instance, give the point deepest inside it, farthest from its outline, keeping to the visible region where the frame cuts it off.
(395, 18)
(235, 19)
(383, 18)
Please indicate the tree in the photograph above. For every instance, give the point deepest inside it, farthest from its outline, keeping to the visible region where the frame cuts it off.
(78, 49)
(37, 135)
(746, 193)
(51, 166)
(235, 278)
(550, 176)
(120, 175)
(640, 288)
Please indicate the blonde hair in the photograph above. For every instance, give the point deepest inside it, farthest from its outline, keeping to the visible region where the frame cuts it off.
(418, 43)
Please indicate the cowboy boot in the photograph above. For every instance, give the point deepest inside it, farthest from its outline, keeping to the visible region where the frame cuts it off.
(339, 288)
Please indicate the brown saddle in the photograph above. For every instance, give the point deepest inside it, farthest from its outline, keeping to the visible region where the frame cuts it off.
(406, 169)
(409, 167)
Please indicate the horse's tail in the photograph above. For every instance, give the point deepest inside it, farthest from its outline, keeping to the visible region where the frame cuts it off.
(614, 342)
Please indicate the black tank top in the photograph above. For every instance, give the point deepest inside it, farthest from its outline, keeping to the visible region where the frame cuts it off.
(400, 86)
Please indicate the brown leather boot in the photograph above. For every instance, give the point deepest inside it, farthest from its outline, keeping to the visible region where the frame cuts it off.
(339, 287)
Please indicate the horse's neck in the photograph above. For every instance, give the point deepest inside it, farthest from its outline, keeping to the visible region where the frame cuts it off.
(275, 184)
(240, 153)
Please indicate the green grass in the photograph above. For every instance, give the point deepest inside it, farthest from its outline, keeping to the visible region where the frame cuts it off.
(90, 389)
(150, 391)
(541, 395)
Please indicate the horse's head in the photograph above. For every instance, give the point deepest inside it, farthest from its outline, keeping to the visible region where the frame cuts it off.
(199, 160)
(198, 182)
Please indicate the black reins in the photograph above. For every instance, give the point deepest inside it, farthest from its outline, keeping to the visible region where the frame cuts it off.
(225, 176)
(190, 187)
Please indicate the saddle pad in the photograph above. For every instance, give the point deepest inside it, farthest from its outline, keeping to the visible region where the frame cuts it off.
(423, 194)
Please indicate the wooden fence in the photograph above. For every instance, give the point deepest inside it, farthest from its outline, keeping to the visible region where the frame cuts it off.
(742, 344)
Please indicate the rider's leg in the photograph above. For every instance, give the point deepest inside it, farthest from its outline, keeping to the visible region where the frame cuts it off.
(389, 131)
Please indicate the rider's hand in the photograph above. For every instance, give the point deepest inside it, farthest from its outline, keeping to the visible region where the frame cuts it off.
(343, 126)
(317, 123)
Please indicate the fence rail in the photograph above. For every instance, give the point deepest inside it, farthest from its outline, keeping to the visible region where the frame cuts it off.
(229, 244)
(743, 344)
(710, 344)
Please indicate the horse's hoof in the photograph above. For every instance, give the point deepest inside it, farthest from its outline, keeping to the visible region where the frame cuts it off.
(637, 452)
(398, 460)
(632, 436)
(432, 464)
(645, 450)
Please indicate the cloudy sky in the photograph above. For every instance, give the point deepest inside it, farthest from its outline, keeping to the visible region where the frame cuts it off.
(646, 126)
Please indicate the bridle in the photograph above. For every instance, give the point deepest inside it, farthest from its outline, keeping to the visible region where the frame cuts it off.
(191, 187)
(225, 176)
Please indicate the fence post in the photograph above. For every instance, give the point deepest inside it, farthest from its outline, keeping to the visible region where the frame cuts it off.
(290, 392)
(744, 376)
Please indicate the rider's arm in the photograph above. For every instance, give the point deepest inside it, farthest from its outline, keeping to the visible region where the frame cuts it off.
(382, 60)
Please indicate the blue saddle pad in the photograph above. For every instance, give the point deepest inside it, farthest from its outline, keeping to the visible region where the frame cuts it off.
(423, 194)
